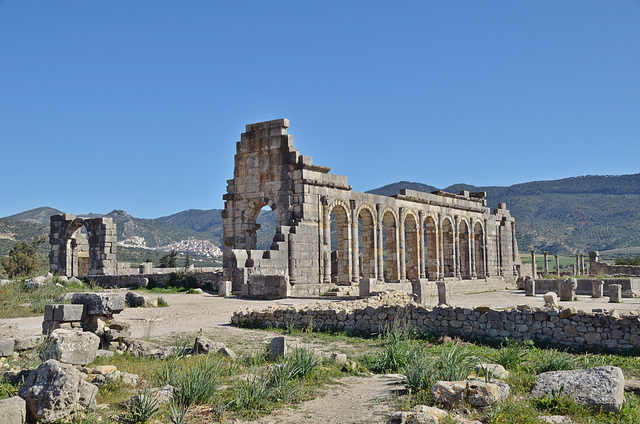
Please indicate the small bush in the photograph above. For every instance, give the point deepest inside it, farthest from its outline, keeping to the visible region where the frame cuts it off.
(300, 363)
(162, 303)
(196, 380)
(251, 396)
(398, 345)
(511, 354)
(178, 413)
(553, 360)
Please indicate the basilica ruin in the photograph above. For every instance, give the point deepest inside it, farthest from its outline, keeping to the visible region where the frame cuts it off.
(409, 237)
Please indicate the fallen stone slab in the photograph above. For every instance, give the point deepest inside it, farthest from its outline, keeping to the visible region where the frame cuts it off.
(13, 410)
(494, 370)
(601, 387)
(27, 342)
(144, 348)
(54, 391)
(420, 414)
(70, 347)
(7, 347)
(100, 303)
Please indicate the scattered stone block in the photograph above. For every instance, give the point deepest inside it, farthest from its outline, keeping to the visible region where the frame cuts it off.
(495, 370)
(100, 303)
(419, 288)
(597, 289)
(419, 414)
(7, 347)
(144, 348)
(483, 309)
(615, 293)
(449, 392)
(13, 410)
(27, 342)
(68, 313)
(443, 293)
(224, 288)
(567, 313)
(550, 299)
(481, 394)
(339, 358)
(71, 347)
(367, 286)
(204, 346)
(54, 391)
(601, 387)
(277, 348)
(568, 289)
(225, 351)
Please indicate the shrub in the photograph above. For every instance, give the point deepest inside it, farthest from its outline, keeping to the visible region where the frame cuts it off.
(300, 363)
(511, 354)
(553, 360)
(143, 407)
(196, 380)
(398, 345)
(251, 396)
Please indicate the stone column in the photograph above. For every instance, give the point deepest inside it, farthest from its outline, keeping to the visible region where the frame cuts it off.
(441, 242)
(546, 263)
(320, 240)
(530, 286)
(557, 265)
(472, 250)
(615, 293)
(456, 248)
(421, 262)
(597, 288)
(487, 271)
(326, 278)
(443, 293)
(403, 260)
(593, 260)
(355, 249)
(581, 264)
(576, 269)
(380, 248)
(534, 270)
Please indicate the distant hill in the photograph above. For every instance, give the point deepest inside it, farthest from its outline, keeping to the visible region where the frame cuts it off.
(37, 215)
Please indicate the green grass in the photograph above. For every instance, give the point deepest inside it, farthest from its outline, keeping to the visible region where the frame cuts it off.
(565, 262)
(16, 300)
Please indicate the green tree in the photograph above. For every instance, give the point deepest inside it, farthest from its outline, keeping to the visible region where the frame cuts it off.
(23, 259)
(187, 261)
(169, 260)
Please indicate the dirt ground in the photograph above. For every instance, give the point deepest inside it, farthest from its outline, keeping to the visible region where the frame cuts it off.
(354, 400)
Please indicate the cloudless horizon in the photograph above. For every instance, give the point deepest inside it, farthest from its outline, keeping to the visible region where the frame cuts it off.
(138, 105)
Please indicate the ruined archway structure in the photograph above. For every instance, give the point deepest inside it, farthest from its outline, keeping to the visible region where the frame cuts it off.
(82, 246)
(407, 237)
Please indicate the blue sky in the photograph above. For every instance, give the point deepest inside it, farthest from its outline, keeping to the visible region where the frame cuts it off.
(138, 105)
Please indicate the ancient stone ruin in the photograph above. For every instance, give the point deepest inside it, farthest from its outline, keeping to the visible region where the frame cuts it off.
(82, 246)
(410, 236)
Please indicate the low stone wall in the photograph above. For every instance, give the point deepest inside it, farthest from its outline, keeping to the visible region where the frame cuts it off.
(606, 269)
(630, 286)
(199, 279)
(563, 328)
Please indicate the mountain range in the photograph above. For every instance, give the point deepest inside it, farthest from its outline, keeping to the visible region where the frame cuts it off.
(563, 216)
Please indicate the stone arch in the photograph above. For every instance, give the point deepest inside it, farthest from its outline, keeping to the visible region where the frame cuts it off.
(412, 245)
(478, 246)
(341, 249)
(448, 247)
(367, 233)
(464, 253)
(431, 244)
(77, 248)
(251, 227)
(390, 245)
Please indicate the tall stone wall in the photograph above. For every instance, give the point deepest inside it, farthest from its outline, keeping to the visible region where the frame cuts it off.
(409, 236)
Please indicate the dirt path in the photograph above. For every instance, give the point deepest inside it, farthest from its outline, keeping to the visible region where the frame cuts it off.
(355, 400)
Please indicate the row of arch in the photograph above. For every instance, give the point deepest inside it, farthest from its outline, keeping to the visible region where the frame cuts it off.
(400, 245)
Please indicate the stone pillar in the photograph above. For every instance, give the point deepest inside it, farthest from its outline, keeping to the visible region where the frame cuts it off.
(593, 260)
(456, 247)
(443, 293)
(557, 265)
(534, 270)
(615, 293)
(487, 271)
(291, 258)
(441, 242)
(472, 252)
(421, 262)
(326, 254)
(573, 269)
(277, 348)
(568, 289)
(529, 286)
(597, 288)
(355, 249)
(402, 250)
(576, 269)
(380, 241)
(546, 263)
(581, 264)
(420, 291)
(367, 286)
(224, 288)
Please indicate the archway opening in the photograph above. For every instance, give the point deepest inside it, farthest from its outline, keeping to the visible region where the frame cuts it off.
(478, 240)
(431, 248)
(390, 245)
(78, 251)
(465, 256)
(412, 248)
(366, 245)
(340, 249)
(448, 248)
(266, 228)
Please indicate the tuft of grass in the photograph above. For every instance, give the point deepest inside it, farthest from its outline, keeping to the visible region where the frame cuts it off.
(162, 303)
(16, 300)
(398, 345)
(196, 380)
(143, 407)
(511, 354)
(178, 413)
(300, 363)
(251, 396)
(552, 360)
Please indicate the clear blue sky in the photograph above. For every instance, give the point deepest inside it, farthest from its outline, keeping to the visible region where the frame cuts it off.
(137, 105)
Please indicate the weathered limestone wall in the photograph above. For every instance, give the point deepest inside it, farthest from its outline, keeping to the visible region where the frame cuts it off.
(565, 328)
(76, 252)
(406, 237)
(600, 268)
(630, 286)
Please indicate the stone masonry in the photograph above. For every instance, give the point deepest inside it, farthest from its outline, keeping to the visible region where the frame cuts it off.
(82, 246)
(406, 237)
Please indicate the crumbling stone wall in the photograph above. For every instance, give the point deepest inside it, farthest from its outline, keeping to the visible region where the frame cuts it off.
(409, 236)
(600, 268)
(82, 246)
(564, 328)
